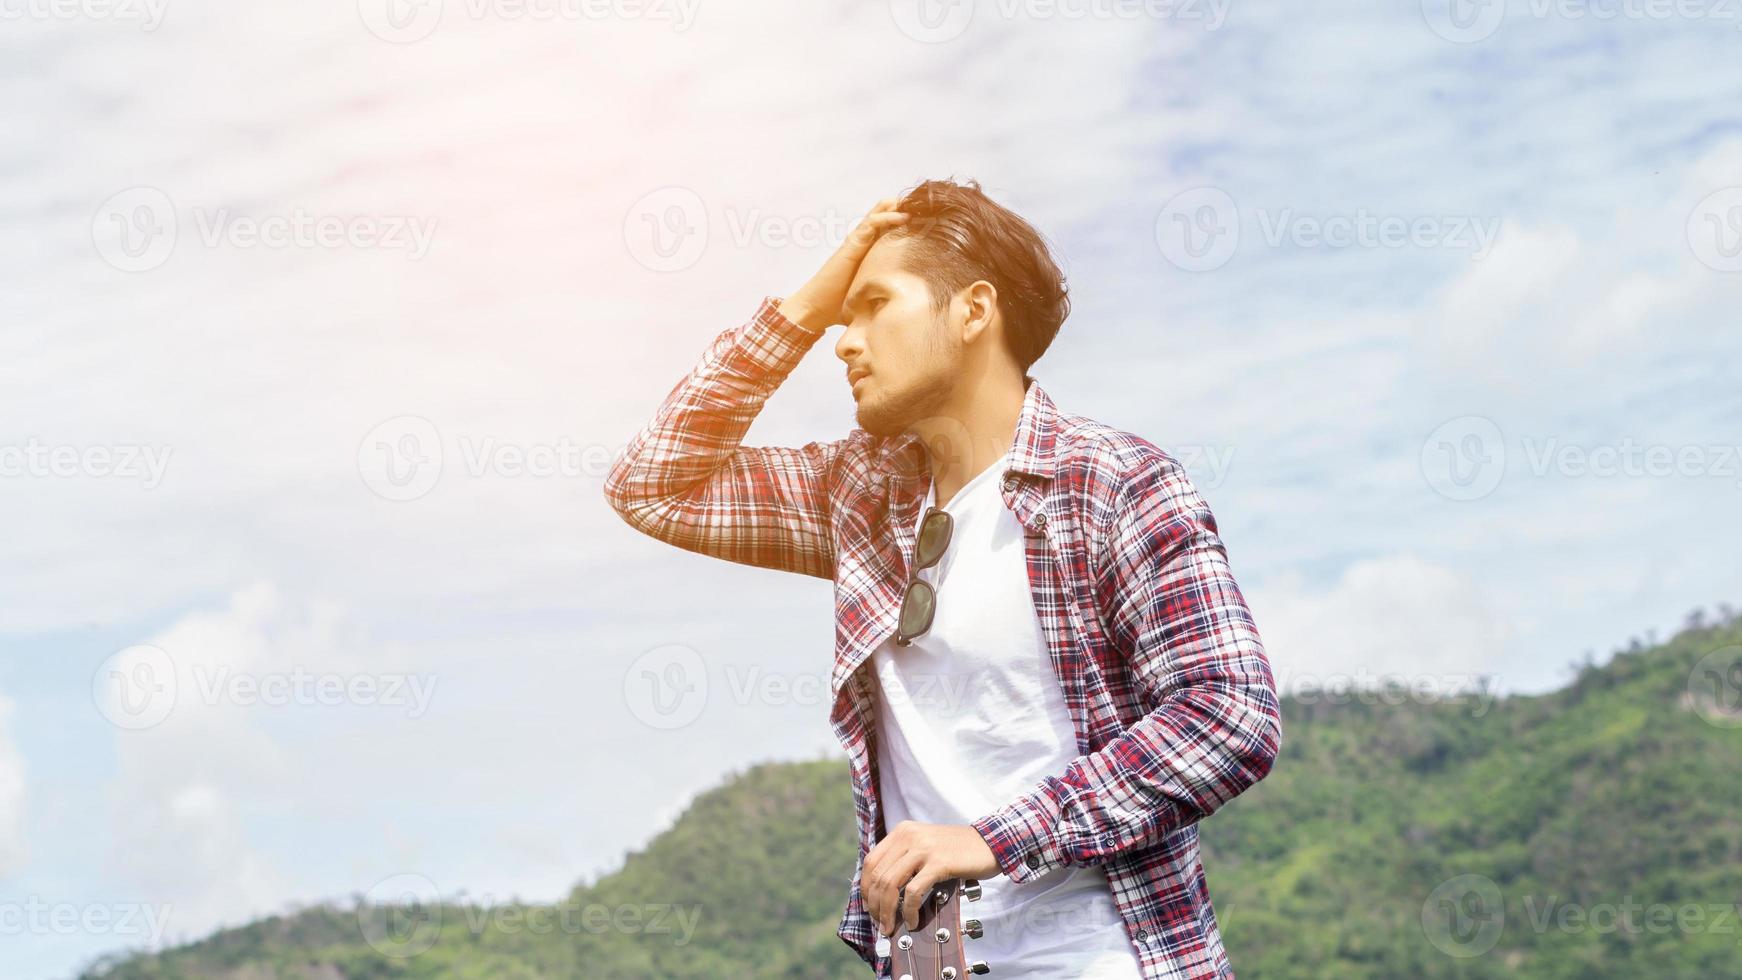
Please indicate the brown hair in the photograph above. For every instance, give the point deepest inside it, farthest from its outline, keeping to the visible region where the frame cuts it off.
(961, 236)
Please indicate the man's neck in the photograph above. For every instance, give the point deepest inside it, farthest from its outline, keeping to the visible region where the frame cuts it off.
(960, 444)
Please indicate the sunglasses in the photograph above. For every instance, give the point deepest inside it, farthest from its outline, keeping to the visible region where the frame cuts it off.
(920, 601)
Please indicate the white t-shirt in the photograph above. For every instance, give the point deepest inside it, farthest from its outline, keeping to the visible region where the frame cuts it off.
(970, 717)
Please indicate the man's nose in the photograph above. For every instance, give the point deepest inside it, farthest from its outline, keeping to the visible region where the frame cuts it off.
(848, 348)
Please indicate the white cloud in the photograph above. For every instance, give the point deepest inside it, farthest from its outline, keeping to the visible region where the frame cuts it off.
(176, 834)
(1558, 307)
(249, 791)
(1396, 616)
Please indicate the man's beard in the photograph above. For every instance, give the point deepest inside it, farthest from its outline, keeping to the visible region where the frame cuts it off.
(890, 413)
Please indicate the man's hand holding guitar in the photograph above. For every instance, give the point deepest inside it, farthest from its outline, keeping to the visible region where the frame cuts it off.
(914, 857)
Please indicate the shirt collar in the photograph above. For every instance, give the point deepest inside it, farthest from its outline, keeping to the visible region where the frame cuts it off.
(1030, 453)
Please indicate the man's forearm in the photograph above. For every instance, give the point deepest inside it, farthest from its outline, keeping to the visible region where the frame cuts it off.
(1172, 768)
(804, 313)
(686, 478)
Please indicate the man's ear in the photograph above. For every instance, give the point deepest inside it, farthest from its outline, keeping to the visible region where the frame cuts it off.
(981, 300)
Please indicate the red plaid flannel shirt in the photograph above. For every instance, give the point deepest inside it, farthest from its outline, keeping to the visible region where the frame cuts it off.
(1163, 671)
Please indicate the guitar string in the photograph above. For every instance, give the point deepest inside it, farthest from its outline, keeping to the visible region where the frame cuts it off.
(901, 898)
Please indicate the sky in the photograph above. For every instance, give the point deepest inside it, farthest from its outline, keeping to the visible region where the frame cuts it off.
(321, 323)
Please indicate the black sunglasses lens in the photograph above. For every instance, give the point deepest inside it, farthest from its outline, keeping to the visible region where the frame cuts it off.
(917, 609)
(934, 537)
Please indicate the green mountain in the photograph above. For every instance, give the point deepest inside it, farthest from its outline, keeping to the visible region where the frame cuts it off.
(1592, 832)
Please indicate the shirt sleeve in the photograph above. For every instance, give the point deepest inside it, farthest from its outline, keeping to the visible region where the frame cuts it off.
(1172, 607)
(686, 480)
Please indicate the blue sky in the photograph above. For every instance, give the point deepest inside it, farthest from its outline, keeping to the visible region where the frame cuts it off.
(1428, 296)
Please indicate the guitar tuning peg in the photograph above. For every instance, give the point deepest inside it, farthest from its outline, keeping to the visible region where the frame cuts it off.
(971, 890)
(979, 968)
(972, 929)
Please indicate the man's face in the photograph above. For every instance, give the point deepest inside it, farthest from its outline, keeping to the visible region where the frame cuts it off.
(902, 356)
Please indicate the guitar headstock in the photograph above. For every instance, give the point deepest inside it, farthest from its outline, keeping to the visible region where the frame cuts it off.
(934, 950)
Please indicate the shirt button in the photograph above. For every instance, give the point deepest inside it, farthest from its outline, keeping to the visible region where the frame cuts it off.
(1033, 861)
(1009, 480)
(1142, 935)
(1040, 522)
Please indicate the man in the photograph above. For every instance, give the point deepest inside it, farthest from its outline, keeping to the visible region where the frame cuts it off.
(1103, 687)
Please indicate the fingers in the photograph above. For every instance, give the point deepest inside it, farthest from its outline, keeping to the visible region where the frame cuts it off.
(873, 885)
(885, 219)
(883, 885)
(901, 880)
(865, 233)
(918, 892)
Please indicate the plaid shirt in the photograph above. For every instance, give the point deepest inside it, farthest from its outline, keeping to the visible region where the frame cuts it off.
(1163, 672)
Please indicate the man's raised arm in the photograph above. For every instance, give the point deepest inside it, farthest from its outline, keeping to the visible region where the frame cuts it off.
(687, 480)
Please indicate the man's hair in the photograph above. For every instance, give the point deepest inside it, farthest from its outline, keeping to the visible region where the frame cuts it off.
(959, 236)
